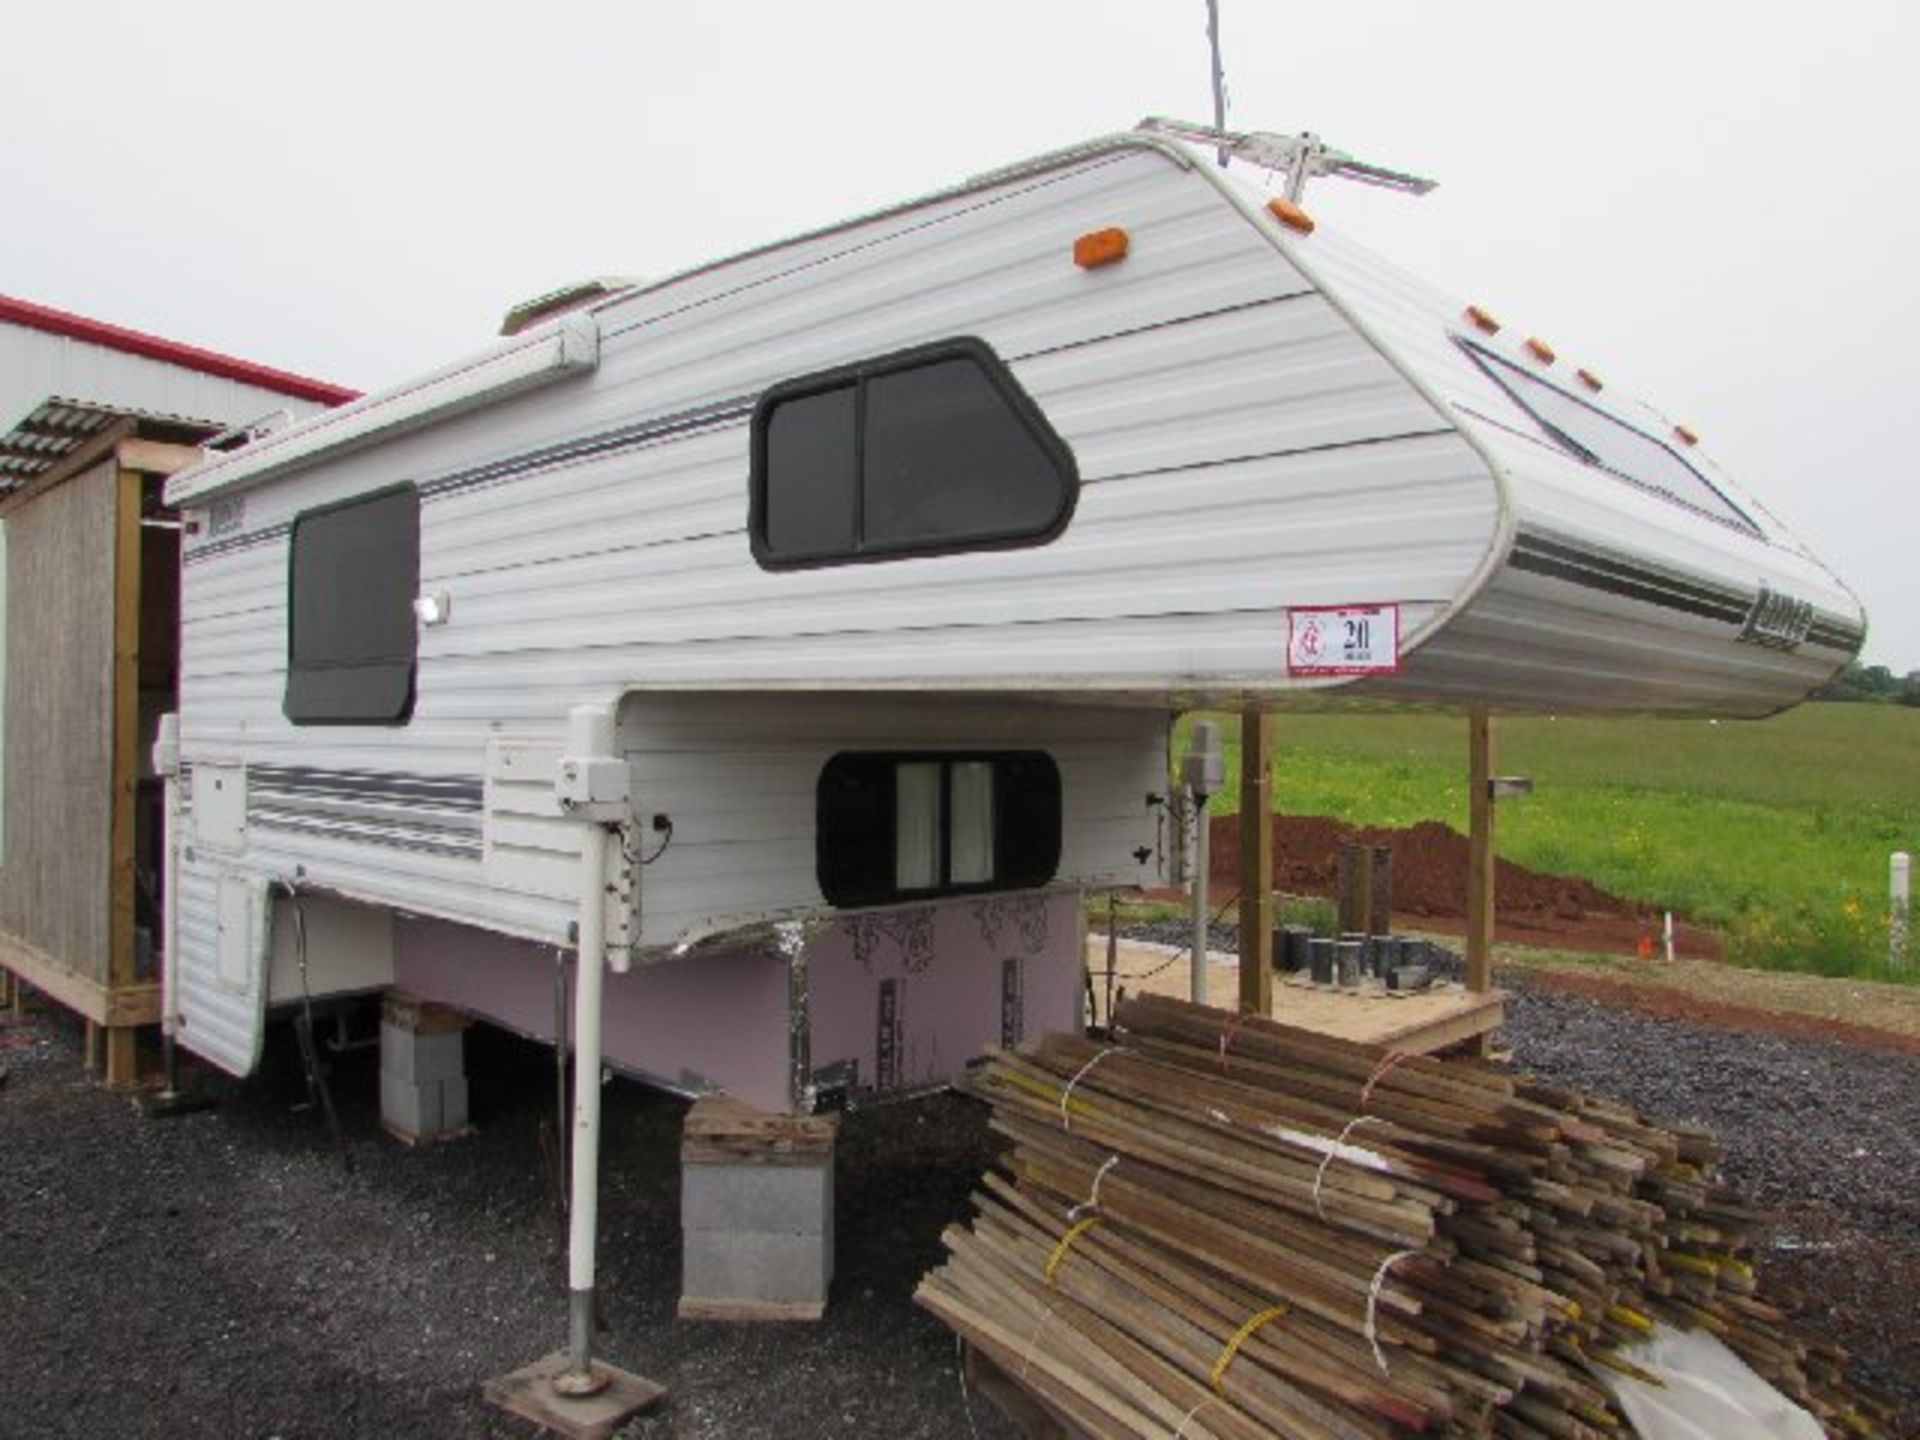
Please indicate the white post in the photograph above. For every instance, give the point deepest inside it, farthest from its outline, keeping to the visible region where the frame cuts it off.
(592, 788)
(166, 760)
(1204, 771)
(1197, 977)
(1666, 937)
(1900, 887)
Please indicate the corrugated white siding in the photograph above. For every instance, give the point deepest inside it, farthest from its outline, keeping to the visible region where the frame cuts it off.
(739, 774)
(224, 1022)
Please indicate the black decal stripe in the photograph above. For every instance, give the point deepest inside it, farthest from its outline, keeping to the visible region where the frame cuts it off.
(1615, 574)
(1704, 592)
(1604, 578)
(1836, 636)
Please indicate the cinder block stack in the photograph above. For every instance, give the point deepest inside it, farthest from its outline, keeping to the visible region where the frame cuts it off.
(423, 1071)
(756, 1213)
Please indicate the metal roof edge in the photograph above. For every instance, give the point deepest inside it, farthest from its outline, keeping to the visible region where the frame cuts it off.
(66, 324)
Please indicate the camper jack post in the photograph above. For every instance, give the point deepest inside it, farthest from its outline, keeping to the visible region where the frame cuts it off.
(592, 786)
(1204, 772)
(166, 761)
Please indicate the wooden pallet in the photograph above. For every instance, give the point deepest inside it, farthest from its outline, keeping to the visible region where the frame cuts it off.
(1420, 1023)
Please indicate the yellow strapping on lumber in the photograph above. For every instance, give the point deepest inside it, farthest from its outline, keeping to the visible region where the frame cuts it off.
(1632, 1319)
(1044, 1092)
(1613, 1360)
(1240, 1337)
(1066, 1244)
(1692, 1264)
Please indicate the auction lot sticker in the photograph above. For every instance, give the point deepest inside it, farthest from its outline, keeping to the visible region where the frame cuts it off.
(1343, 639)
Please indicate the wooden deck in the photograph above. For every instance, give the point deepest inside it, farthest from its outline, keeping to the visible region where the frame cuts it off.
(1419, 1023)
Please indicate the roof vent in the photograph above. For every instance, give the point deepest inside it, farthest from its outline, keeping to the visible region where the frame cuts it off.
(558, 302)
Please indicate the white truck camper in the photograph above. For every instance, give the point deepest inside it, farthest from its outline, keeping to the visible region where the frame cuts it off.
(797, 638)
(890, 550)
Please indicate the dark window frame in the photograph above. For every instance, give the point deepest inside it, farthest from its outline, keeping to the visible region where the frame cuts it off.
(832, 850)
(858, 375)
(404, 713)
(1493, 365)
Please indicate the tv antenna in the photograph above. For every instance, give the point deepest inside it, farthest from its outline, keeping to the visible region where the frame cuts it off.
(1219, 76)
(1302, 157)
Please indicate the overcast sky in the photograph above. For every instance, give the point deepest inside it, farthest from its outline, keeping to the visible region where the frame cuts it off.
(1709, 203)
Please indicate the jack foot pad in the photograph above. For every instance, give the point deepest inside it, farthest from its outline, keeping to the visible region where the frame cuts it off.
(534, 1393)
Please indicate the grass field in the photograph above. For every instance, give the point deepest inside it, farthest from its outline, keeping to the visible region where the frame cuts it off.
(1775, 831)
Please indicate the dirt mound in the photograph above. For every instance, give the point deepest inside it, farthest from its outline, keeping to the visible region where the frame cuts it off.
(1430, 885)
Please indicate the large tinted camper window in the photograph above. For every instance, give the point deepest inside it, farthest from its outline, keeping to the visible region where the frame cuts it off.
(351, 637)
(1594, 436)
(892, 826)
(936, 449)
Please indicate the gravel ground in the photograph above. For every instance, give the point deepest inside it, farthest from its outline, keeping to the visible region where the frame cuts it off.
(223, 1274)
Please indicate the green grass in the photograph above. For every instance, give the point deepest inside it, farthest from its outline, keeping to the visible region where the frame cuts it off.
(1775, 831)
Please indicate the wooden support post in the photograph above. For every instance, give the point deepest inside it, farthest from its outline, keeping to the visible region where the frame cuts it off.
(118, 1070)
(1256, 863)
(1480, 857)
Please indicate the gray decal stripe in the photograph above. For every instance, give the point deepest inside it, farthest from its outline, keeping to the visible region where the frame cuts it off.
(217, 548)
(445, 792)
(607, 442)
(421, 838)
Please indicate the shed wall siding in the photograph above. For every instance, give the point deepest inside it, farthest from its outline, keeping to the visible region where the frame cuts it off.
(35, 366)
(59, 722)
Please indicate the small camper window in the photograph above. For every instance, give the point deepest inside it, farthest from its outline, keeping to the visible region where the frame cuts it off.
(934, 450)
(351, 638)
(893, 827)
(1592, 435)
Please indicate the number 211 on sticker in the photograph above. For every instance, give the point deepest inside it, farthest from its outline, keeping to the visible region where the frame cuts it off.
(1343, 639)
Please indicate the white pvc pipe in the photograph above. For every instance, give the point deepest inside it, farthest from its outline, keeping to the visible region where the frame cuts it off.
(589, 733)
(166, 754)
(1900, 891)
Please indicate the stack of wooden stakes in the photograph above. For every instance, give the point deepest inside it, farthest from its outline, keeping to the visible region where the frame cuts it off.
(1220, 1226)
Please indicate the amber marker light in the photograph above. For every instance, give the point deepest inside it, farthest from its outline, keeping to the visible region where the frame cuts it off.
(1482, 321)
(1686, 436)
(1290, 215)
(1590, 380)
(1540, 350)
(1101, 247)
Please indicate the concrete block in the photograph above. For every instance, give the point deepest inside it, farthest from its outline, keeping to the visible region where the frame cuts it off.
(411, 1110)
(751, 1265)
(421, 1058)
(453, 1103)
(776, 1199)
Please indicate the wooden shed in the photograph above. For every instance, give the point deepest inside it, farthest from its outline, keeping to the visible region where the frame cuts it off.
(95, 417)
